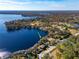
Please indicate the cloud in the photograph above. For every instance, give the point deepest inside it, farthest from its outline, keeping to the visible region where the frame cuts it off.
(41, 0)
(29, 6)
(39, 5)
(13, 2)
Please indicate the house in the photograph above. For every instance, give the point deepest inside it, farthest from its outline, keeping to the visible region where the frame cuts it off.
(51, 53)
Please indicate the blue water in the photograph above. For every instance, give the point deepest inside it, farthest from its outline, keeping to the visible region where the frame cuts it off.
(17, 40)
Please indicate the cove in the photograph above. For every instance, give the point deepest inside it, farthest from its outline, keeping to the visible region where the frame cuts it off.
(19, 39)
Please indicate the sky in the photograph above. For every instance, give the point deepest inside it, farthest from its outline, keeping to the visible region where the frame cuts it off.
(39, 4)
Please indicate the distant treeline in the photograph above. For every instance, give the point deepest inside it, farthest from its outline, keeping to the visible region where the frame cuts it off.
(38, 13)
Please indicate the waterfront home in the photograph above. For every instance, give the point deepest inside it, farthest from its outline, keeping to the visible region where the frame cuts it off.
(51, 53)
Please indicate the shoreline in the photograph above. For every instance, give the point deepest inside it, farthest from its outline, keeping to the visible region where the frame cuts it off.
(57, 32)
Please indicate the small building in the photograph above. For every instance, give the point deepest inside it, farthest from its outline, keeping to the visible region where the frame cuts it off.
(50, 53)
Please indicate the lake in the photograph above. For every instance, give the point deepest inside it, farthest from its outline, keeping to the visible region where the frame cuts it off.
(19, 39)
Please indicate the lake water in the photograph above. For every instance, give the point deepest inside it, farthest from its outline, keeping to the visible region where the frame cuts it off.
(17, 40)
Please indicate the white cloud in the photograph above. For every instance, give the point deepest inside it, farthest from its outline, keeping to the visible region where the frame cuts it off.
(13, 2)
(39, 5)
